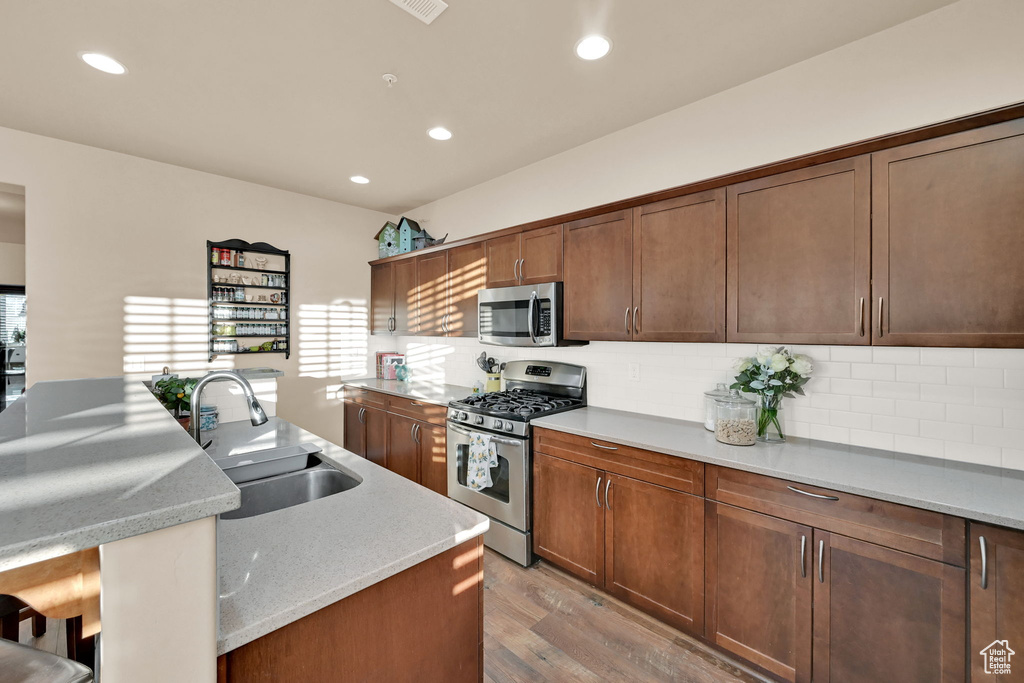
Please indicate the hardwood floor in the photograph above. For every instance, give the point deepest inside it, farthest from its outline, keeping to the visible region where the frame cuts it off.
(543, 625)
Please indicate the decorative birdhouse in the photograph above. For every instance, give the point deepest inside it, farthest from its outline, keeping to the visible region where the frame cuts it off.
(408, 229)
(387, 240)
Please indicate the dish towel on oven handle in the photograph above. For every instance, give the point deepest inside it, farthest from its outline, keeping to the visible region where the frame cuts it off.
(482, 457)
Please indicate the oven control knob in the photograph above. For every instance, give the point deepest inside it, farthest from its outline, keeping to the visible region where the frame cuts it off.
(463, 416)
(479, 420)
(508, 426)
(498, 424)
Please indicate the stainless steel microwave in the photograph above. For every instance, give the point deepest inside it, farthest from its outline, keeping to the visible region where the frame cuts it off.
(530, 315)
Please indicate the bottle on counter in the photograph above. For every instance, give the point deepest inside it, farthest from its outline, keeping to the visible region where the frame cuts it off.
(710, 397)
(736, 420)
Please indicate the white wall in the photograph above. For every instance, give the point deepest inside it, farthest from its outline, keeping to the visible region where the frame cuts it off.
(12, 264)
(116, 270)
(959, 404)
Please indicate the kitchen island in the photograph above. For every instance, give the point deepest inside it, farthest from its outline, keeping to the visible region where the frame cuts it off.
(99, 462)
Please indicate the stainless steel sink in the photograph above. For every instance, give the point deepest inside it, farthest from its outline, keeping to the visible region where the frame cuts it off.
(287, 490)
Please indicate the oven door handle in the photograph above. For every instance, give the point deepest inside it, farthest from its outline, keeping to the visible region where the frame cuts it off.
(508, 442)
(529, 315)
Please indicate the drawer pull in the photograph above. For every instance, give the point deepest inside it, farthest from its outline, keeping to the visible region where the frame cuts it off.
(812, 495)
(420, 405)
(597, 492)
(803, 556)
(607, 448)
(984, 562)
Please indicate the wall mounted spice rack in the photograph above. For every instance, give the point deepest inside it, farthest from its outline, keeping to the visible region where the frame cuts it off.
(229, 302)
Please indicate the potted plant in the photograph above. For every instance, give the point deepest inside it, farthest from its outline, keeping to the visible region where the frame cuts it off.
(176, 395)
(772, 375)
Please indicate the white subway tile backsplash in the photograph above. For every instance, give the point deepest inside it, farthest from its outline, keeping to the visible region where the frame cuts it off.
(920, 409)
(895, 354)
(917, 445)
(895, 425)
(976, 377)
(877, 406)
(925, 374)
(958, 404)
(851, 387)
(879, 371)
(1012, 359)
(948, 357)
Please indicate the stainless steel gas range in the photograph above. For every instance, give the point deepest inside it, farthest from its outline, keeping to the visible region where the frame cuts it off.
(532, 389)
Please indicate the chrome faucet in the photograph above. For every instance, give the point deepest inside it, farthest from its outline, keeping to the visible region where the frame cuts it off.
(256, 414)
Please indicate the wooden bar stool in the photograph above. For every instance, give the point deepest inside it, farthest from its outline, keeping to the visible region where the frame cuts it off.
(13, 612)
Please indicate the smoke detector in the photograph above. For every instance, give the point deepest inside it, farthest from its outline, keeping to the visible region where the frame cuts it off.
(424, 10)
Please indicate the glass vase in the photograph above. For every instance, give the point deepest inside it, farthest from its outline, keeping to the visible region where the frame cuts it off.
(769, 419)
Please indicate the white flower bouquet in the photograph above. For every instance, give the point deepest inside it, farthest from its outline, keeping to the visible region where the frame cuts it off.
(772, 375)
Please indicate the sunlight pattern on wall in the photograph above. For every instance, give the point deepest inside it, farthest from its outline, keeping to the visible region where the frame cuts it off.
(162, 332)
(333, 341)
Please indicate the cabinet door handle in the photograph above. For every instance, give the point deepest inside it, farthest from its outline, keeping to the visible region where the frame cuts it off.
(636, 326)
(362, 416)
(627, 320)
(607, 448)
(803, 556)
(416, 433)
(879, 317)
(607, 483)
(522, 262)
(812, 495)
(984, 562)
(821, 561)
(860, 317)
(597, 492)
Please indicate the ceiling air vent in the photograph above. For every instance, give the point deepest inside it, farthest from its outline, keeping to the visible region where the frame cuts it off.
(424, 10)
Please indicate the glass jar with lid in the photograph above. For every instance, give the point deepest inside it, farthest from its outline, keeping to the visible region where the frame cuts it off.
(709, 405)
(736, 420)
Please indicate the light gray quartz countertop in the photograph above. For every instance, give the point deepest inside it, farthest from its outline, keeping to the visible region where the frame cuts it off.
(986, 494)
(91, 461)
(278, 567)
(431, 392)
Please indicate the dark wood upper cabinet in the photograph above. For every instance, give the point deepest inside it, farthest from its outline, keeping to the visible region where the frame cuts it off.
(404, 297)
(503, 261)
(654, 551)
(568, 517)
(997, 596)
(799, 256)
(541, 254)
(433, 458)
(758, 589)
(403, 448)
(679, 269)
(598, 271)
(382, 298)
(467, 274)
(884, 615)
(948, 238)
(431, 293)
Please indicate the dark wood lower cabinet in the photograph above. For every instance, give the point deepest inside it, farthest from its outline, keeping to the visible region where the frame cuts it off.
(885, 615)
(366, 432)
(403, 449)
(568, 518)
(433, 458)
(423, 624)
(997, 600)
(758, 589)
(654, 551)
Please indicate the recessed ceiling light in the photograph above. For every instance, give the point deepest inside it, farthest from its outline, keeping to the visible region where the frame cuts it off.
(440, 133)
(103, 63)
(593, 47)
(359, 180)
